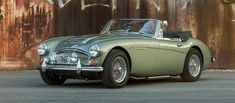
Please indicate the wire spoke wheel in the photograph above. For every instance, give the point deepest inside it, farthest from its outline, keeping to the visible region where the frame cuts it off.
(116, 69)
(51, 78)
(194, 65)
(119, 69)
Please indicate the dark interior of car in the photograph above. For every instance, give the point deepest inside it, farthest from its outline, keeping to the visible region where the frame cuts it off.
(183, 35)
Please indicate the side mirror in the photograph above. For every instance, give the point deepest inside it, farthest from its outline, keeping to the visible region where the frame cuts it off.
(164, 25)
(160, 27)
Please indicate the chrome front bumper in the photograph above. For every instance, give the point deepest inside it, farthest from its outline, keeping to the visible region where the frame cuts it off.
(78, 67)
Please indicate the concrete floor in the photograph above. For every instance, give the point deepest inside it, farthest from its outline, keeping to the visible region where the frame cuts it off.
(27, 87)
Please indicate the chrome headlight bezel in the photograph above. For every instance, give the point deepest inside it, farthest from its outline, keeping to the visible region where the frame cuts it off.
(94, 50)
(42, 49)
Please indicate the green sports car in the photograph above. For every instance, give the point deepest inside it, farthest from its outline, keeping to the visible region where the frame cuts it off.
(125, 48)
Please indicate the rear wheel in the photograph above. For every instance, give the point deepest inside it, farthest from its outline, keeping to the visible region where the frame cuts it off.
(193, 66)
(50, 78)
(116, 69)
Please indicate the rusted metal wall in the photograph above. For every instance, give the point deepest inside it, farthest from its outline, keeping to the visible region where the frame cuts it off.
(25, 23)
(225, 39)
(79, 18)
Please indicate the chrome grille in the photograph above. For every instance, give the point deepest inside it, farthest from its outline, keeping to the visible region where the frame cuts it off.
(64, 57)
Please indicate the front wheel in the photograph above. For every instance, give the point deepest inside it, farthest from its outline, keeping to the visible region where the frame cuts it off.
(193, 66)
(51, 78)
(116, 69)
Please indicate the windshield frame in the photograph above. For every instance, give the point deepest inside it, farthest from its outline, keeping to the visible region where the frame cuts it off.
(107, 27)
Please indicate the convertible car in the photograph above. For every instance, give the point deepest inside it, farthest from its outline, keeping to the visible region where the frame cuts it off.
(125, 48)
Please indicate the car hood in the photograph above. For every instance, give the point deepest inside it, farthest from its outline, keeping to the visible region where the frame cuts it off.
(88, 40)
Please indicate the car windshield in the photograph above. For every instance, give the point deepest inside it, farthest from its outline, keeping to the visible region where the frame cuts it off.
(132, 27)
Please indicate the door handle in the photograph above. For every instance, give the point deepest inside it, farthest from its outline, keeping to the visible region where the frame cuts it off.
(179, 45)
(140, 48)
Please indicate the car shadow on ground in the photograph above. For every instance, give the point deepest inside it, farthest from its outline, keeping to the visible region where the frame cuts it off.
(130, 83)
(83, 84)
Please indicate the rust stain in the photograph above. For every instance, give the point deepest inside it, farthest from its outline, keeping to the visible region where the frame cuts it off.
(23, 25)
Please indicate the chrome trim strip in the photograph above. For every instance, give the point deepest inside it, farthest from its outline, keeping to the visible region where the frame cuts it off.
(74, 68)
(93, 69)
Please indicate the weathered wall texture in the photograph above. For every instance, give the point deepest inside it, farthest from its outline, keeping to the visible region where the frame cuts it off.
(25, 23)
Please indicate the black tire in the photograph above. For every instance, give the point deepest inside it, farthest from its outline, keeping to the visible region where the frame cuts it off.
(186, 76)
(107, 78)
(51, 78)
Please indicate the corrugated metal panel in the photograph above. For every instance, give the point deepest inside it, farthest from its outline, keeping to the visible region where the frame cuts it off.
(23, 25)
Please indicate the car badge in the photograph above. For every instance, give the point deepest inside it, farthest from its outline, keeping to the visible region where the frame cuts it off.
(74, 55)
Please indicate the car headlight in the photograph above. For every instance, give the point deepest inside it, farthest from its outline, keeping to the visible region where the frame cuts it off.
(74, 57)
(42, 49)
(94, 50)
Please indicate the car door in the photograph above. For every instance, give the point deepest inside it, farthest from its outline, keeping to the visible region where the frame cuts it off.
(144, 56)
(170, 57)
